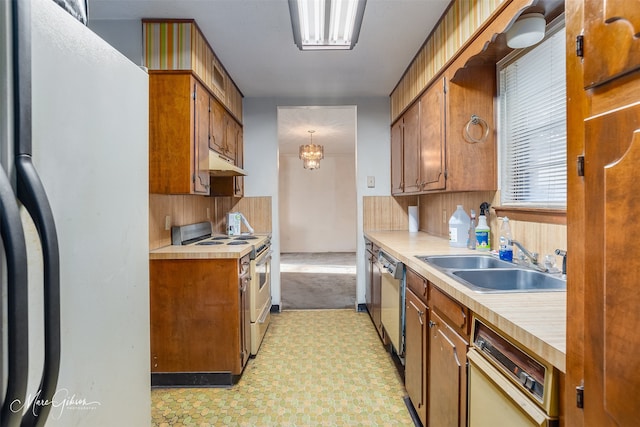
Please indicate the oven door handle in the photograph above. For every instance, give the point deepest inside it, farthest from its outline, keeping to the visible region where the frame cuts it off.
(265, 312)
(263, 259)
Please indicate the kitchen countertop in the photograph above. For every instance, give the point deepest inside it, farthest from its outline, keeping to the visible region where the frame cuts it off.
(537, 320)
(194, 251)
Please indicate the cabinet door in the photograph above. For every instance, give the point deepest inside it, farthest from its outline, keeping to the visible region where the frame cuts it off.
(376, 297)
(201, 143)
(397, 185)
(231, 139)
(447, 375)
(217, 126)
(432, 138)
(411, 149)
(416, 351)
(612, 154)
(471, 166)
(610, 23)
(239, 158)
(368, 263)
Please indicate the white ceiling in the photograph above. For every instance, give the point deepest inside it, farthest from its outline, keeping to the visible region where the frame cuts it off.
(254, 41)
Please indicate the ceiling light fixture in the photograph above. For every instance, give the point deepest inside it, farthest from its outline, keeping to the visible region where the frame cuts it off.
(311, 154)
(527, 31)
(326, 24)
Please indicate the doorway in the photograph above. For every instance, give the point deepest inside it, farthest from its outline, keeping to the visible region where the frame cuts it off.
(317, 208)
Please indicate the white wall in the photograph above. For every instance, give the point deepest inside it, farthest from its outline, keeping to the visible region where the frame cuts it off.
(125, 35)
(318, 210)
(261, 162)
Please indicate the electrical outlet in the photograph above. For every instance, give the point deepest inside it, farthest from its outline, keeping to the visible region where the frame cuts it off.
(167, 222)
(444, 216)
(371, 181)
(208, 213)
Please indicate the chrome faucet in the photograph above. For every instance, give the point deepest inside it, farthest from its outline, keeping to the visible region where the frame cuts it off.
(533, 256)
(563, 254)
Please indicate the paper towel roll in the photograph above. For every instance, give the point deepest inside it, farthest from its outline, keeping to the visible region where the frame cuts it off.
(413, 219)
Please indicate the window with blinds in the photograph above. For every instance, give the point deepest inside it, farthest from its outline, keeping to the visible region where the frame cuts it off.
(532, 124)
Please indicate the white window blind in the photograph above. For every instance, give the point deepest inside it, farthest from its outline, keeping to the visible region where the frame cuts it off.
(533, 131)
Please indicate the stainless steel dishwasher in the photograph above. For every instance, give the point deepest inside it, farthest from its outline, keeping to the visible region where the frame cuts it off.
(392, 300)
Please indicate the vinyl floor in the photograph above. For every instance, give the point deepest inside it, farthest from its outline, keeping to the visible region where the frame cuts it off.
(315, 368)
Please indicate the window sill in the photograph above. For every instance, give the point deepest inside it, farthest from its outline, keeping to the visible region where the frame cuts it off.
(548, 216)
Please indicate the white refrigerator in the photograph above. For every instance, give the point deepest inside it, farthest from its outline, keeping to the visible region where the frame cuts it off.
(79, 305)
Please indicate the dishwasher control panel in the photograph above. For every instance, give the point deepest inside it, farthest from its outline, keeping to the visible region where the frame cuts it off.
(520, 367)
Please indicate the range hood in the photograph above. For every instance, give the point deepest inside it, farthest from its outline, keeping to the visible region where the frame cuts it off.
(221, 166)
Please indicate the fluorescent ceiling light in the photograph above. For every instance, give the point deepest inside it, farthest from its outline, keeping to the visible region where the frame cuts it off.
(326, 24)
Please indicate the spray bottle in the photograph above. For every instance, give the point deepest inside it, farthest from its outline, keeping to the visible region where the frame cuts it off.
(483, 233)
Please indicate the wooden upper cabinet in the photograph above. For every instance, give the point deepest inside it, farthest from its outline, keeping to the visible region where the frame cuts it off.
(178, 134)
(217, 126)
(411, 149)
(437, 146)
(432, 137)
(397, 184)
(179, 45)
(471, 159)
(610, 23)
(231, 140)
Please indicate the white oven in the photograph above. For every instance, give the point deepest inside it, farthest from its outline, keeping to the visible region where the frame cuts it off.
(260, 294)
(507, 386)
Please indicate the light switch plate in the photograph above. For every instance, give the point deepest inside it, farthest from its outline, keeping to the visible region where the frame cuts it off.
(371, 181)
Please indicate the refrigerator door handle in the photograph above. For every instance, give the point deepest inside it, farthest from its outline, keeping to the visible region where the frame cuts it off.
(15, 250)
(30, 192)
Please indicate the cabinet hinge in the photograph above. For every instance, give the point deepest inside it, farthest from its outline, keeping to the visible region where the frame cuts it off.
(580, 165)
(580, 46)
(580, 396)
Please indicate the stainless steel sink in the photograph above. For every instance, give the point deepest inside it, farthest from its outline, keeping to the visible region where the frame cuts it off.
(509, 280)
(486, 274)
(464, 262)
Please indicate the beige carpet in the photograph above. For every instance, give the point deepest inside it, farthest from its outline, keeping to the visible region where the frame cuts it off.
(315, 368)
(318, 280)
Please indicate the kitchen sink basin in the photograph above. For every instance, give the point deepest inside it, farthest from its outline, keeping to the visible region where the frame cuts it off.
(463, 262)
(509, 280)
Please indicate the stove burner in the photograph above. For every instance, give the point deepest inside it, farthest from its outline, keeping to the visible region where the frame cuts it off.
(219, 238)
(238, 242)
(246, 238)
(209, 242)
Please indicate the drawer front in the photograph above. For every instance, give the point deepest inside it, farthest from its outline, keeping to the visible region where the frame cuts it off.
(418, 285)
(456, 315)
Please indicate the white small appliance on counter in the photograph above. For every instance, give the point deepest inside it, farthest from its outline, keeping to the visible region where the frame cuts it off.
(234, 224)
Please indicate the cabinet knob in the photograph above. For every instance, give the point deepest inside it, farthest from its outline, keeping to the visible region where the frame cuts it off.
(432, 323)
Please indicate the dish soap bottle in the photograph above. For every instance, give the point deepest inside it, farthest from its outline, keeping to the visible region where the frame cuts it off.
(458, 228)
(506, 249)
(471, 243)
(483, 233)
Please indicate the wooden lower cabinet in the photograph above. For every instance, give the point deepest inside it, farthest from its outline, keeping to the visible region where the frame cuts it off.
(200, 320)
(416, 352)
(447, 374)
